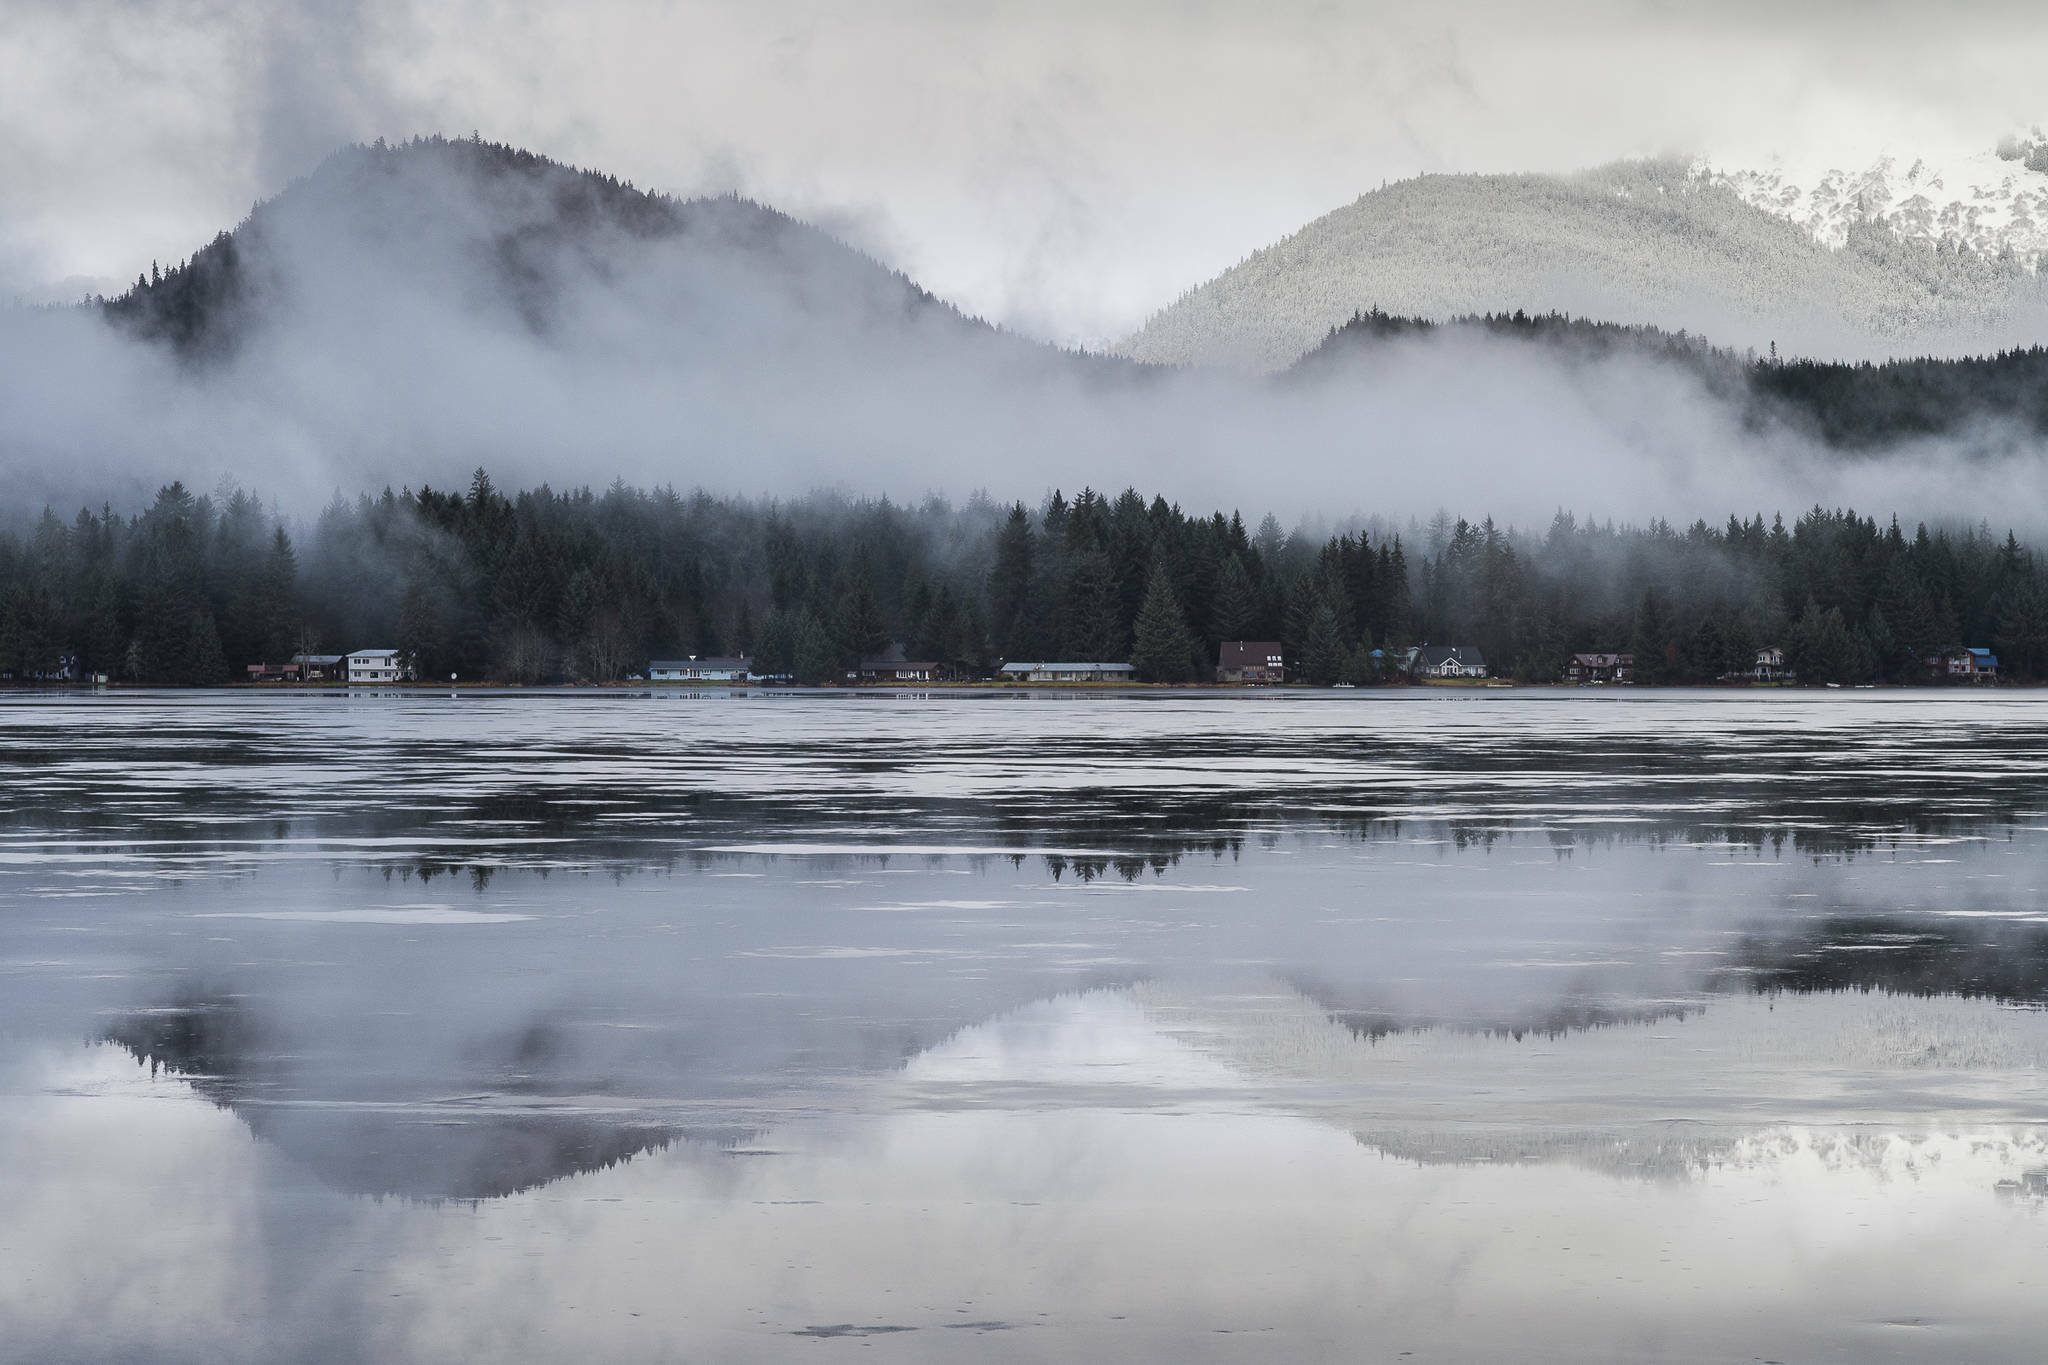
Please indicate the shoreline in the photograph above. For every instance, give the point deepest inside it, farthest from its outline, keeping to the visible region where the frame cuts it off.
(1447, 686)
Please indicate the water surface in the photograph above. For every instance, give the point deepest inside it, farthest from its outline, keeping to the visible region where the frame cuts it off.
(1408, 1026)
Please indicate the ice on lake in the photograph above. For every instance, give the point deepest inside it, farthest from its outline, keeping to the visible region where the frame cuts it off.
(1359, 1026)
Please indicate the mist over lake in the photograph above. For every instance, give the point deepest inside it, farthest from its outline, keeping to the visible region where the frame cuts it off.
(700, 1023)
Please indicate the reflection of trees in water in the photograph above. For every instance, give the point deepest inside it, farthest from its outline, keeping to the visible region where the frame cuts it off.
(367, 1141)
(1573, 1013)
(1909, 954)
(1144, 830)
(1905, 954)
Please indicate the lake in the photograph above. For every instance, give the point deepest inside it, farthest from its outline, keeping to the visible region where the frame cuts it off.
(1418, 1025)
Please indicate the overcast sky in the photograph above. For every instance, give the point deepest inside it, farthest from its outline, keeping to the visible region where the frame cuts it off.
(1064, 167)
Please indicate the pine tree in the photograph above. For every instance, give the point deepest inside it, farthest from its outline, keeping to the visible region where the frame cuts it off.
(743, 627)
(420, 634)
(858, 628)
(816, 656)
(775, 644)
(1650, 643)
(1010, 583)
(1360, 667)
(1163, 649)
(204, 662)
(1237, 603)
(2021, 632)
(1323, 652)
(1823, 649)
(1093, 619)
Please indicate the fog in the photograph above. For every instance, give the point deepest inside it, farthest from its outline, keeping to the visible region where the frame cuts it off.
(407, 317)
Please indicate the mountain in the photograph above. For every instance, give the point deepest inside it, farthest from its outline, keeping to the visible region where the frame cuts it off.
(1993, 203)
(506, 237)
(406, 313)
(1641, 242)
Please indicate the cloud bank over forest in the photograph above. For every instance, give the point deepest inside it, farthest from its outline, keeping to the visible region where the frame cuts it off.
(408, 314)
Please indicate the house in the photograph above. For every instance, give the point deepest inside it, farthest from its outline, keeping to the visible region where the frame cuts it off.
(1970, 665)
(1065, 672)
(694, 669)
(63, 668)
(320, 667)
(1600, 668)
(374, 666)
(1250, 661)
(1770, 665)
(273, 673)
(1446, 661)
(891, 666)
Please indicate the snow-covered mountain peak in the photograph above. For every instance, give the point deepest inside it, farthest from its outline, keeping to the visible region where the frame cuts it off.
(1990, 201)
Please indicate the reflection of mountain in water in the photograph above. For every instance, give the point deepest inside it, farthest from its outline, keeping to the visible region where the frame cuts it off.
(474, 1147)
(1604, 1098)
(1669, 1153)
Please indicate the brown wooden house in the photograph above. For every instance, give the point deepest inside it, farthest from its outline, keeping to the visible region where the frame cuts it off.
(1250, 661)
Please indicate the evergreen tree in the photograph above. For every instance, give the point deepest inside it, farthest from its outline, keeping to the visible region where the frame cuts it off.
(1163, 649)
(420, 635)
(1237, 603)
(775, 644)
(530, 585)
(1822, 648)
(859, 632)
(2021, 633)
(1359, 666)
(1650, 642)
(203, 661)
(1093, 618)
(1323, 651)
(815, 654)
(1010, 583)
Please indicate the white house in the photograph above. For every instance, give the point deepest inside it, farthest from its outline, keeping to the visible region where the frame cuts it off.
(374, 666)
(694, 669)
(1447, 661)
(1028, 671)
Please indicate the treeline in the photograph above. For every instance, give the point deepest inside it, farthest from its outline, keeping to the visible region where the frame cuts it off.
(1858, 406)
(585, 586)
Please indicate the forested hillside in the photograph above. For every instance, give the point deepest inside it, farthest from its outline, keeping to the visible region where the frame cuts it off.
(586, 586)
(515, 234)
(1638, 241)
(1849, 405)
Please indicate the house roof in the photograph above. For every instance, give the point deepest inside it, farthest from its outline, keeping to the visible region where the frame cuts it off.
(372, 653)
(1601, 660)
(316, 658)
(1247, 653)
(677, 665)
(895, 659)
(1433, 656)
(1028, 666)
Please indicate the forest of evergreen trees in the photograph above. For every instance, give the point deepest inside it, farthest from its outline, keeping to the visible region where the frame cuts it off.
(584, 586)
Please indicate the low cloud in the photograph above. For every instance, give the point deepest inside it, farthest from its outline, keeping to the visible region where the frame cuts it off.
(407, 319)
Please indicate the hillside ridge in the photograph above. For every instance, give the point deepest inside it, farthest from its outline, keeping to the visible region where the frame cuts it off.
(1646, 241)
